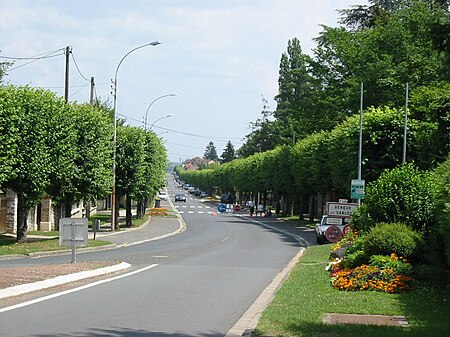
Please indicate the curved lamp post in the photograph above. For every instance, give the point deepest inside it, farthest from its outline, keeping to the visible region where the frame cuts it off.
(157, 98)
(113, 192)
(167, 116)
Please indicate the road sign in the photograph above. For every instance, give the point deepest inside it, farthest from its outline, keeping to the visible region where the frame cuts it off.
(222, 208)
(237, 208)
(73, 232)
(357, 189)
(340, 210)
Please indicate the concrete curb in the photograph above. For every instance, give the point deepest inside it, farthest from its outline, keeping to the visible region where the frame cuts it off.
(59, 280)
(248, 321)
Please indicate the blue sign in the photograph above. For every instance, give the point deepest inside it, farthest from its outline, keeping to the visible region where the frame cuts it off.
(222, 208)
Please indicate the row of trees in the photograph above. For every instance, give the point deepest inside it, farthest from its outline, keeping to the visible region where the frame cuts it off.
(51, 148)
(384, 45)
(324, 162)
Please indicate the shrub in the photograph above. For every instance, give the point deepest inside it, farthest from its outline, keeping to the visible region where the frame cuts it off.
(398, 238)
(398, 265)
(441, 234)
(403, 194)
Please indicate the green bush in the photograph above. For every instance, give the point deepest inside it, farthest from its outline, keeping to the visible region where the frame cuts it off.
(354, 255)
(403, 194)
(441, 233)
(398, 238)
(400, 266)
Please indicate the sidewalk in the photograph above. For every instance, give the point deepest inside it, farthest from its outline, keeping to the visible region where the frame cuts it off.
(52, 275)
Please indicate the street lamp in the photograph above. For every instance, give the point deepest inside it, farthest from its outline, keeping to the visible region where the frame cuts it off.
(113, 192)
(169, 115)
(145, 121)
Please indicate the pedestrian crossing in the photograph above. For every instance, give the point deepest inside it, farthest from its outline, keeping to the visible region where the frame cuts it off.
(190, 209)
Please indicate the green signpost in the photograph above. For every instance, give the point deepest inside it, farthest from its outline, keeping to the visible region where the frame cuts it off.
(357, 189)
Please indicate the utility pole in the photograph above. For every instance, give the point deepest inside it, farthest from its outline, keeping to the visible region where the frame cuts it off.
(66, 82)
(91, 98)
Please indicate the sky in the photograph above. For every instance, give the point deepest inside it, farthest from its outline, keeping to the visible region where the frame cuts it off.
(220, 58)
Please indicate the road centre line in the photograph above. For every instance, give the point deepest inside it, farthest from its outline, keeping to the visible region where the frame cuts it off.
(66, 292)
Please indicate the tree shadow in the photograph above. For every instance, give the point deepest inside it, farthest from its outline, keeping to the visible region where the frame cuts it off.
(127, 332)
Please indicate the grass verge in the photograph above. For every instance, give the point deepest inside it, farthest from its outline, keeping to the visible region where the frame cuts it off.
(9, 246)
(307, 294)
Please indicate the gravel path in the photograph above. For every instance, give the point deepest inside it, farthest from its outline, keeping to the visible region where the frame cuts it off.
(10, 277)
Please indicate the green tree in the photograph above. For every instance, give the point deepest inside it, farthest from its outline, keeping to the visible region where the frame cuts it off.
(265, 134)
(228, 153)
(295, 109)
(130, 164)
(39, 146)
(211, 152)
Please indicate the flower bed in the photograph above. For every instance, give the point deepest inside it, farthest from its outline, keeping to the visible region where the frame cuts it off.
(388, 274)
(158, 211)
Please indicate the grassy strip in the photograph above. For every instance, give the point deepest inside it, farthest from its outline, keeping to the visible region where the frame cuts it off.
(9, 246)
(307, 294)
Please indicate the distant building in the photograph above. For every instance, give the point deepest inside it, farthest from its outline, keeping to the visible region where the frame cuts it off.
(196, 163)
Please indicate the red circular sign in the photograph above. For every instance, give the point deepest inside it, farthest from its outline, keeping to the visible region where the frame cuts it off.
(346, 229)
(333, 234)
(237, 208)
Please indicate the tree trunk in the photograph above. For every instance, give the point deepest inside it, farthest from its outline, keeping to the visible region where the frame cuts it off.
(311, 210)
(68, 206)
(22, 219)
(140, 209)
(129, 216)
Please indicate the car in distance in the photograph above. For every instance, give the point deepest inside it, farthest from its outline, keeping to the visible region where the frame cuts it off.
(180, 197)
(162, 195)
(203, 195)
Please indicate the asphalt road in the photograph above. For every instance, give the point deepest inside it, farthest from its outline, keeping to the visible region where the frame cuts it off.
(197, 283)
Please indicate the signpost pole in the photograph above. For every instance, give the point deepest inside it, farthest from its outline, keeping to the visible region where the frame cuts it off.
(360, 136)
(74, 254)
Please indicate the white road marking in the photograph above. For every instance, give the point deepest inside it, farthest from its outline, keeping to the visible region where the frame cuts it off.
(62, 293)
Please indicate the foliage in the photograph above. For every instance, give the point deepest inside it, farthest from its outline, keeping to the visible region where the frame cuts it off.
(228, 153)
(403, 194)
(398, 264)
(398, 238)
(432, 104)
(441, 233)
(51, 148)
(211, 152)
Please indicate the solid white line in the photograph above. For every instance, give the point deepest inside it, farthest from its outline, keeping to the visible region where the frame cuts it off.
(49, 297)
(63, 279)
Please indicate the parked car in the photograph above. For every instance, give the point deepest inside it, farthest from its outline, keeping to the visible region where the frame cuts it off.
(180, 197)
(203, 195)
(162, 195)
(227, 198)
(331, 229)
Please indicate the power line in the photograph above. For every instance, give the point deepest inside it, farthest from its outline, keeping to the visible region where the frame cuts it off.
(215, 138)
(78, 69)
(37, 57)
(32, 59)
